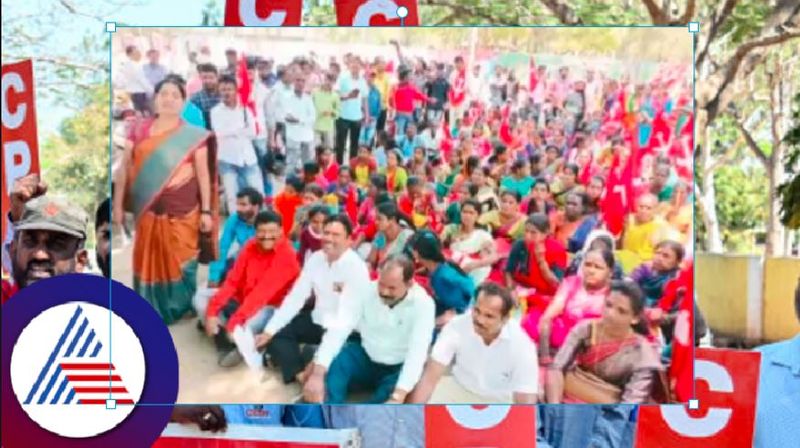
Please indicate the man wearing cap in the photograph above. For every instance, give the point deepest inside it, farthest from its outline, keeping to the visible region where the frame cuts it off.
(49, 234)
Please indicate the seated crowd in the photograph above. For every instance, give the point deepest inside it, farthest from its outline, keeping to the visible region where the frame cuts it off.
(459, 238)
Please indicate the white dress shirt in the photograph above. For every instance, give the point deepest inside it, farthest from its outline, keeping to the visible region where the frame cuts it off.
(390, 336)
(261, 97)
(234, 134)
(276, 112)
(131, 78)
(330, 282)
(496, 371)
(302, 108)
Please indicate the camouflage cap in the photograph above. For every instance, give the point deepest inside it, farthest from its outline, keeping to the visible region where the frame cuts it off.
(54, 214)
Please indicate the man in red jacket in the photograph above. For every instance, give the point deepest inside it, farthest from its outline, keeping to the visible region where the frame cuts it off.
(261, 277)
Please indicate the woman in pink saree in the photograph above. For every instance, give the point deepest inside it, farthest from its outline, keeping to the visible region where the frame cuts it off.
(579, 298)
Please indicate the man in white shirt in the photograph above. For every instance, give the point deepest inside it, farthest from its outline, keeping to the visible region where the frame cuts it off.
(495, 360)
(235, 129)
(276, 113)
(353, 92)
(395, 318)
(154, 71)
(131, 79)
(300, 118)
(333, 274)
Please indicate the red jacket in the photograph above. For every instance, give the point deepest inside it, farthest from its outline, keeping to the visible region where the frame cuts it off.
(259, 278)
(404, 96)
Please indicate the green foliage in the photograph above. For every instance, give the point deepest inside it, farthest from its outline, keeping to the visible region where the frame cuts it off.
(740, 197)
(789, 192)
(75, 161)
(211, 14)
(746, 21)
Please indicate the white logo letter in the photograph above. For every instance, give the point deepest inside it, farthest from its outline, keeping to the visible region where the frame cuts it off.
(247, 12)
(719, 380)
(13, 120)
(372, 8)
(472, 418)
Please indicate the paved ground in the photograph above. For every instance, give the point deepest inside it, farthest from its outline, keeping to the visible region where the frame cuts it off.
(201, 379)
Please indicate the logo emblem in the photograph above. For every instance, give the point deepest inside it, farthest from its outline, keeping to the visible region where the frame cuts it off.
(86, 363)
(64, 375)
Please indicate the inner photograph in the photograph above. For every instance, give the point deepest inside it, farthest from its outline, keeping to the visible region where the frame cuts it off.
(410, 215)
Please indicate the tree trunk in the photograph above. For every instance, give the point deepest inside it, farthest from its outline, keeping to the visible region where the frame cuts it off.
(707, 198)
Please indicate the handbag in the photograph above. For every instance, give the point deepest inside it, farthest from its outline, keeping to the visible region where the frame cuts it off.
(585, 386)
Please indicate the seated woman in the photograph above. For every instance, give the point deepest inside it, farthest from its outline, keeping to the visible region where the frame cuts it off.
(419, 204)
(653, 275)
(598, 239)
(486, 196)
(578, 298)
(567, 183)
(344, 193)
(396, 175)
(607, 360)
(367, 212)
(450, 286)
(536, 265)
(539, 199)
(471, 247)
(394, 231)
(311, 233)
(507, 223)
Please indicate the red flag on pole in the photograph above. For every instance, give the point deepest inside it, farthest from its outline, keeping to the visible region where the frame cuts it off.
(246, 94)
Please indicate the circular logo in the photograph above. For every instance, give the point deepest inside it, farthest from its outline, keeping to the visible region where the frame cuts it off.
(67, 378)
(77, 350)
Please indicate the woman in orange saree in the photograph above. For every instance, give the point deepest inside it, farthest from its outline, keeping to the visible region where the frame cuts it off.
(167, 183)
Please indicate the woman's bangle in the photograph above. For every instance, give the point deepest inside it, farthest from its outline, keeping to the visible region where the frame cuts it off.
(205, 212)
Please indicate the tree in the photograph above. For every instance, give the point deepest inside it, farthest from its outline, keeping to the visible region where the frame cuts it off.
(789, 191)
(75, 161)
(211, 14)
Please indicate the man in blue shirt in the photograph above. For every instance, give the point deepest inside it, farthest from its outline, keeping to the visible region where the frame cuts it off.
(410, 141)
(209, 97)
(374, 106)
(238, 229)
(778, 407)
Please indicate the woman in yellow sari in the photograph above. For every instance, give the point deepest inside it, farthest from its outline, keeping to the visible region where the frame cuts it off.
(167, 182)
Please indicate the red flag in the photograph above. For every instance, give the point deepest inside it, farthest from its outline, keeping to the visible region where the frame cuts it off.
(458, 91)
(680, 370)
(246, 94)
(375, 13)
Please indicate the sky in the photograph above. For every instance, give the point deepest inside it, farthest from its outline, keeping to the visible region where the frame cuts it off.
(74, 28)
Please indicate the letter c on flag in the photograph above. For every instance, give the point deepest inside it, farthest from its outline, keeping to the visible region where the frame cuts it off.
(386, 8)
(478, 419)
(676, 417)
(247, 13)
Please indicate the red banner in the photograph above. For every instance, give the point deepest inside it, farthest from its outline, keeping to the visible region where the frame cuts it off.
(263, 12)
(20, 147)
(375, 13)
(726, 385)
(498, 426)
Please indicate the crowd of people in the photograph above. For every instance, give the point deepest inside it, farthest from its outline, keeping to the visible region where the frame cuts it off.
(420, 230)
